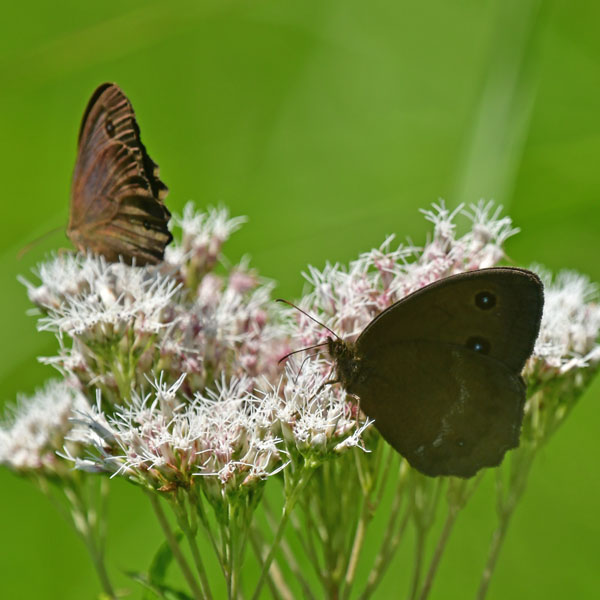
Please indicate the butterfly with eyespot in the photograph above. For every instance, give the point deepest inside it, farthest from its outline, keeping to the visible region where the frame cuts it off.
(117, 207)
(439, 371)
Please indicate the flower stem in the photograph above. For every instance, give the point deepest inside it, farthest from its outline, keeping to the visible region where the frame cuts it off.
(83, 518)
(392, 537)
(290, 502)
(459, 492)
(291, 561)
(182, 520)
(359, 538)
(371, 500)
(521, 462)
(424, 506)
(196, 502)
(437, 555)
(98, 561)
(418, 564)
(276, 580)
(174, 545)
(235, 546)
(494, 552)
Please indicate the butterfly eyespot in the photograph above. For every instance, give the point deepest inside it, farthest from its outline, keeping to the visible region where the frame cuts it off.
(485, 300)
(478, 344)
(147, 224)
(110, 128)
(460, 443)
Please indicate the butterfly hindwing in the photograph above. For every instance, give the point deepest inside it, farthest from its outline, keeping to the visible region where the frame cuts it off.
(447, 410)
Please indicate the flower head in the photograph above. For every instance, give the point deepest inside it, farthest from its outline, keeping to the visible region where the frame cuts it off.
(38, 428)
(314, 418)
(163, 441)
(566, 354)
(569, 331)
(118, 324)
(347, 299)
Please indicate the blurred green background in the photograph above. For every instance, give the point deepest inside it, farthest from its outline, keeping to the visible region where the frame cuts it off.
(328, 123)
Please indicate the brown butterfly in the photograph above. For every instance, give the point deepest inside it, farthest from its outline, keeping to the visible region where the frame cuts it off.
(117, 207)
(440, 370)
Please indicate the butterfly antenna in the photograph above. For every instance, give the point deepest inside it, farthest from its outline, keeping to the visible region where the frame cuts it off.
(300, 370)
(309, 316)
(25, 249)
(300, 350)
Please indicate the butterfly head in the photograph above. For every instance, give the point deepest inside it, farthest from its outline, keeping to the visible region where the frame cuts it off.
(347, 361)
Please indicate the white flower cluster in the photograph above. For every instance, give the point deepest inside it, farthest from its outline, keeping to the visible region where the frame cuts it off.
(203, 236)
(31, 436)
(117, 323)
(203, 232)
(347, 299)
(222, 412)
(313, 418)
(232, 326)
(569, 331)
(232, 436)
(88, 297)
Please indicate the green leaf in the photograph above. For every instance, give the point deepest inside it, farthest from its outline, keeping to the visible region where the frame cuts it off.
(161, 561)
(162, 591)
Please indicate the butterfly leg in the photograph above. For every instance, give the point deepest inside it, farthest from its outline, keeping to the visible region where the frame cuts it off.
(329, 382)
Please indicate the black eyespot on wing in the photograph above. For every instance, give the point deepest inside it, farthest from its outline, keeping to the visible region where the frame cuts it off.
(478, 344)
(110, 127)
(485, 300)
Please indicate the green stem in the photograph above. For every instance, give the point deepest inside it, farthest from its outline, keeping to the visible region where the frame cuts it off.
(437, 555)
(82, 518)
(103, 520)
(275, 581)
(390, 459)
(232, 580)
(459, 493)
(392, 536)
(196, 502)
(418, 564)
(174, 546)
(424, 507)
(190, 534)
(370, 504)
(316, 541)
(98, 561)
(287, 551)
(521, 463)
(494, 552)
(359, 538)
(290, 502)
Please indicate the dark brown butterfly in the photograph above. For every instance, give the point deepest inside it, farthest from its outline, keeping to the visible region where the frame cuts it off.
(440, 370)
(117, 207)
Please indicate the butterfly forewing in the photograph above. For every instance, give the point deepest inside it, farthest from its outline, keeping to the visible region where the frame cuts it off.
(500, 308)
(117, 207)
(446, 411)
